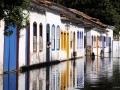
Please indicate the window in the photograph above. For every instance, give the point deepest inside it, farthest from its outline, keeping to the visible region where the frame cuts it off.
(53, 37)
(92, 40)
(74, 41)
(109, 41)
(100, 41)
(71, 39)
(82, 39)
(58, 38)
(65, 40)
(104, 41)
(34, 37)
(40, 37)
(78, 39)
(62, 40)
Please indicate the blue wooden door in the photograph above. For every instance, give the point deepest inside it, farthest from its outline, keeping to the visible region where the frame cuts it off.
(10, 50)
(47, 55)
(10, 59)
(47, 40)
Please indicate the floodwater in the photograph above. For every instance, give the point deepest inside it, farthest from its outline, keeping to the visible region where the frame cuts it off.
(80, 74)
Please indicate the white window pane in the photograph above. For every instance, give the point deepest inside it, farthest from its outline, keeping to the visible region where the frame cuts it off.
(57, 44)
(40, 43)
(53, 44)
(34, 43)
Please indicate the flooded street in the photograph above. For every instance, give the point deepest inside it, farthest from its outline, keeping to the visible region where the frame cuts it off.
(81, 74)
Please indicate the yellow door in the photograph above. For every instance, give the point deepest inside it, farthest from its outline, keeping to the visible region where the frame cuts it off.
(97, 45)
(68, 45)
(74, 42)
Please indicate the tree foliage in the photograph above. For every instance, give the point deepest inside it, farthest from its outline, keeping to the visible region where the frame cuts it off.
(108, 11)
(15, 13)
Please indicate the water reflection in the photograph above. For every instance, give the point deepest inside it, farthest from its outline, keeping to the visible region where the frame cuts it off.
(99, 74)
(85, 73)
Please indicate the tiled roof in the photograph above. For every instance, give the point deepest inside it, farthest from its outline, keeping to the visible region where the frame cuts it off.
(78, 21)
(94, 22)
(97, 21)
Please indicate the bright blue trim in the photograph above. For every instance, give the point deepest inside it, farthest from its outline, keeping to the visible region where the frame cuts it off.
(82, 39)
(59, 38)
(47, 40)
(77, 39)
(54, 36)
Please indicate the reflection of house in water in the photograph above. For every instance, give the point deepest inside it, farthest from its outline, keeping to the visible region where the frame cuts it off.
(65, 76)
(79, 73)
(37, 80)
(106, 65)
(10, 81)
(54, 78)
(92, 70)
(97, 69)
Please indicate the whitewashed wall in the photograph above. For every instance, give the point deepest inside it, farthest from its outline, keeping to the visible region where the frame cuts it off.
(22, 41)
(80, 51)
(95, 33)
(1, 52)
(38, 17)
(116, 48)
(1, 45)
(53, 18)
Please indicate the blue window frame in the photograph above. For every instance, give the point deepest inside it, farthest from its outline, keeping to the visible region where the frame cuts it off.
(78, 43)
(101, 41)
(82, 40)
(53, 37)
(58, 38)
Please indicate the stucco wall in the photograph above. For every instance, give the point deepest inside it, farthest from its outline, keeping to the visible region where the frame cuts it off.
(1, 45)
(38, 17)
(1, 52)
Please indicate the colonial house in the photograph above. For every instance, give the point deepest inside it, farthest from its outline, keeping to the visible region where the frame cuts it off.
(54, 33)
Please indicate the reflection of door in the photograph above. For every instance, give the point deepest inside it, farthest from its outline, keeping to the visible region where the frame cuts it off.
(47, 40)
(10, 50)
(10, 81)
(68, 46)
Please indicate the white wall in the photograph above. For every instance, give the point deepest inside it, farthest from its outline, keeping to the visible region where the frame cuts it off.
(1, 52)
(53, 18)
(1, 45)
(38, 17)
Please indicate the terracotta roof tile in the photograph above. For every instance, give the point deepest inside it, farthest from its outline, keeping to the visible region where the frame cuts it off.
(46, 4)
